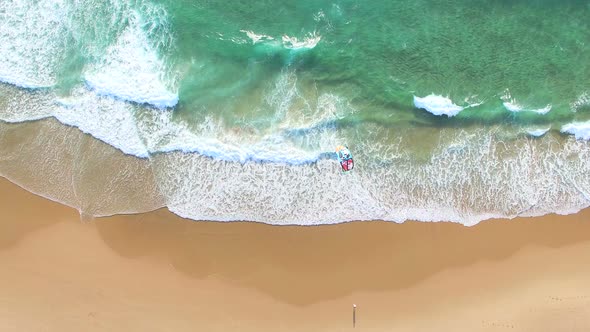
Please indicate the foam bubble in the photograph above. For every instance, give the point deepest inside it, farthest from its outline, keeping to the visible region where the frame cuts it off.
(512, 105)
(295, 135)
(538, 132)
(293, 43)
(308, 42)
(256, 38)
(581, 130)
(470, 176)
(132, 70)
(543, 110)
(107, 119)
(25, 105)
(487, 179)
(212, 139)
(437, 105)
(33, 37)
(143, 131)
(63, 164)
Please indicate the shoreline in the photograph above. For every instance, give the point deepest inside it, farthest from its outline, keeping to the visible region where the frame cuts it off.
(156, 271)
(44, 155)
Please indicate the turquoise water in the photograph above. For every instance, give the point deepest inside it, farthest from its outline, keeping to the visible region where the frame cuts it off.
(378, 55)
(454, 110)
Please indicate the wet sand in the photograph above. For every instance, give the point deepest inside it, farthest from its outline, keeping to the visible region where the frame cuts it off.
(158, 272)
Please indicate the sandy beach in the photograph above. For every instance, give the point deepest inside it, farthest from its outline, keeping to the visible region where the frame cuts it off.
(159, 272)
(256, 166)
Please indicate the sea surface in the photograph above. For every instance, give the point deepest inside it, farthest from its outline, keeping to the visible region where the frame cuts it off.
(457, 110)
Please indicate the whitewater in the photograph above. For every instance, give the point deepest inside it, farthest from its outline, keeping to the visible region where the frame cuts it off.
(241, 124)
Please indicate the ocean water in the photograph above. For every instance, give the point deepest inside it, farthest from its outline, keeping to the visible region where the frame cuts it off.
(454, 110)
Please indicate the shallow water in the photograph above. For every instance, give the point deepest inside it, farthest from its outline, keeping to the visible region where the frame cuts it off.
(459, 112)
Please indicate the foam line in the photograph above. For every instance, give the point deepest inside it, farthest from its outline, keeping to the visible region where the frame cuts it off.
(437, 105)
(581, 130)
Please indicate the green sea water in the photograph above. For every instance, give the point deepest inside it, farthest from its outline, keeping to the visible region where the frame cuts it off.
(478, 101)
(380, 54)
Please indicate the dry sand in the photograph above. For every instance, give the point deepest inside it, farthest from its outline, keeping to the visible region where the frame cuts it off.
(158, 272)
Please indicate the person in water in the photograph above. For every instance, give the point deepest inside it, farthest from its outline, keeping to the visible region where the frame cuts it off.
(347, 164)
(345, 159)
(344, 155)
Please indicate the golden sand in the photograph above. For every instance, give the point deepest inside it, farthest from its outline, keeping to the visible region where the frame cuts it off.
(159, 272)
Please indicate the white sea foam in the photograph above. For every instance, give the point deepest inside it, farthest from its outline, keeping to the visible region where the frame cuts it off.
(484, 182)
(488, 178)
(308, 42)
(163, 133)
(437, 105)
(469, 177)
(32, 39)
(581, 130)
(256, 38)
(473, 101)
(110, 120)
(543, 110)
(538, 132)
(293, 43)
(512, 105)
(131, 70)
(212, 139)
(141, 132)
(33, 36)
(107, 119)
